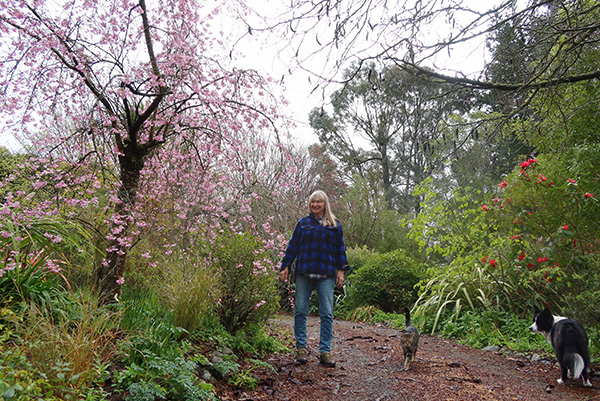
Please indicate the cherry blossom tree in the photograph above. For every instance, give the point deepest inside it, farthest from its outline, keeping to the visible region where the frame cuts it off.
(131, 111)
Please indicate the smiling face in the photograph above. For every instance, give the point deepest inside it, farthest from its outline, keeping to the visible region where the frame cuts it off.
(317, 207)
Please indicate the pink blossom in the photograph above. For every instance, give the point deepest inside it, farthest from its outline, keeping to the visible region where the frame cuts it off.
(121, 281)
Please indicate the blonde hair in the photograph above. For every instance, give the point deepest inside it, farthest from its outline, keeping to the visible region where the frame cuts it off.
(329, 219)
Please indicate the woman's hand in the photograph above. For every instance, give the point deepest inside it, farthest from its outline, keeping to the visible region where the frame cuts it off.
(339, 279)
(284, 274)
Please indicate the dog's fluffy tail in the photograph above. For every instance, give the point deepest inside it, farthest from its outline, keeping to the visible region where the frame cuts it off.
(578, 365)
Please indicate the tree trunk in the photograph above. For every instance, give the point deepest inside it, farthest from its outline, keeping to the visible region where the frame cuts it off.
(112, 267)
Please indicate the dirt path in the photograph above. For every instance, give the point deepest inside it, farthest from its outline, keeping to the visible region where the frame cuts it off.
(370, 368)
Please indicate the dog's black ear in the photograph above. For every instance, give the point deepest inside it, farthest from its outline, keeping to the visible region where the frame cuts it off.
(536, 310)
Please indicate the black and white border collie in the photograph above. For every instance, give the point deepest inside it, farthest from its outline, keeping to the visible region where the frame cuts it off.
(569, 340)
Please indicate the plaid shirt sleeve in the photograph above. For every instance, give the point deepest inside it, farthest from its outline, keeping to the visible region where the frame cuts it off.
(293, 247)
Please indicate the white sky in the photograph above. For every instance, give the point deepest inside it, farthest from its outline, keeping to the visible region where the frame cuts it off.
(273, 56)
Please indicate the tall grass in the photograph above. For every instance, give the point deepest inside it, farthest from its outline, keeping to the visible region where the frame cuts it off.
(71, 350)
(189, 292)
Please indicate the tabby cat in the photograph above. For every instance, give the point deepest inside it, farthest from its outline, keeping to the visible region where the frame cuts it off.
(409, 339)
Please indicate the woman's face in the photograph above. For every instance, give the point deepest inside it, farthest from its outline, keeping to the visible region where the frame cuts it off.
(317, 207)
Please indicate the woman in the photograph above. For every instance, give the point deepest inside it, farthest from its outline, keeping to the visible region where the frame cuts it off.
(317, 245)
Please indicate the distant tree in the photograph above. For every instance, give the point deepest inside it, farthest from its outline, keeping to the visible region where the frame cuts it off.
(389, 122)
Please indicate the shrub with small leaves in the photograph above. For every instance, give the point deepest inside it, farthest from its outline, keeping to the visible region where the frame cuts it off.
(247, 281)
(386, 281)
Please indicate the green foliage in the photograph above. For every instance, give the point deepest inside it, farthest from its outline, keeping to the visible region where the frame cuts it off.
(165, 376)
(493, 326)
(451, 224)
(386, 281)
(32, 256)
(247, 283)
(150, 326)
(155, 367)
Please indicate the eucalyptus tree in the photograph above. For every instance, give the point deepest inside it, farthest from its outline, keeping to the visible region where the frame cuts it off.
(390, 122)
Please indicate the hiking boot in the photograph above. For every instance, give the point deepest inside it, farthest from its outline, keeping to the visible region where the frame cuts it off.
(327, 360)
(302, 355)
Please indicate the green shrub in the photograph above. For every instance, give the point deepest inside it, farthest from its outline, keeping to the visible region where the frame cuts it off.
(386, 281)
(247, 283)
(357, 257)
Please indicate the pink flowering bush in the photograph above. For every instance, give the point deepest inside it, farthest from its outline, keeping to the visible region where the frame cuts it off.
(246, 281)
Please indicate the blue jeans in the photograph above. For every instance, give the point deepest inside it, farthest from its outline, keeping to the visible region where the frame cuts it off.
(304, 287)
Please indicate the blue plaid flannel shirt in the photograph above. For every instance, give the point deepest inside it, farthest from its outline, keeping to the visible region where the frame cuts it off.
(317, 249)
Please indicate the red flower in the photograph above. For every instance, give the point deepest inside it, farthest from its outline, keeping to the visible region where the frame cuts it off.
(516, 237)
(503, 184)
(566, 227)
(493, 262)
(571, 181)
(484, 259)
(522, 256)
(588, 195)
(484, 207)
(542, 259)
(527, 163)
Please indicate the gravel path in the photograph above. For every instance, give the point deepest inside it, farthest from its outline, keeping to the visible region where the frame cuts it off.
(370, 367)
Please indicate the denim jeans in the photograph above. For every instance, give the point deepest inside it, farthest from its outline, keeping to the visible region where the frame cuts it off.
(304, 287)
